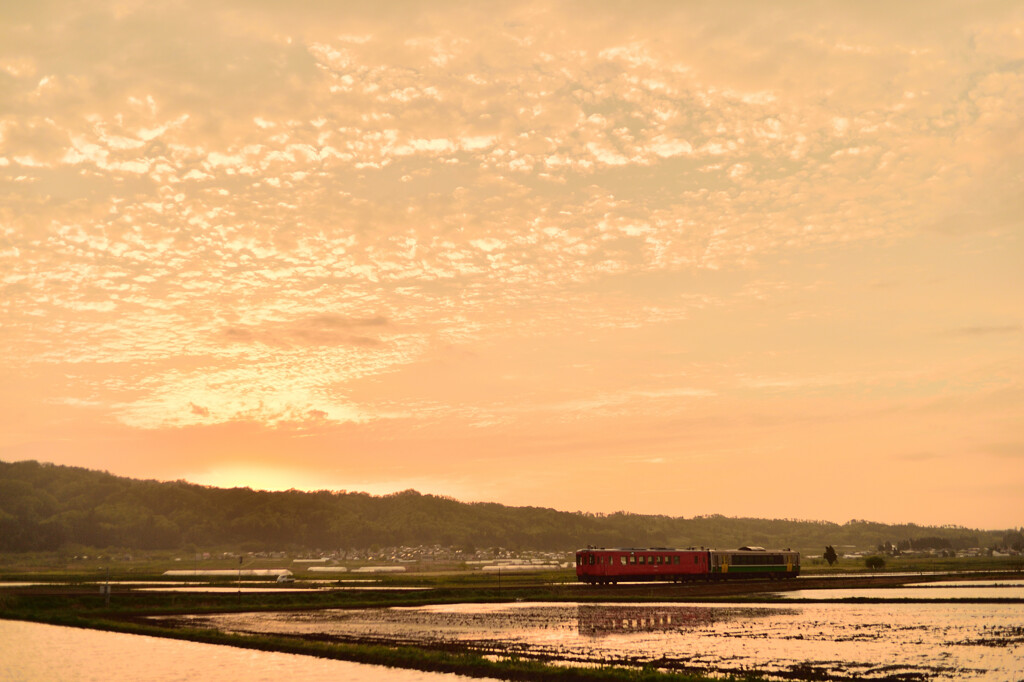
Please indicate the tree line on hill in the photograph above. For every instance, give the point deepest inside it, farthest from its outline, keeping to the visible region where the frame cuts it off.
(51, 507)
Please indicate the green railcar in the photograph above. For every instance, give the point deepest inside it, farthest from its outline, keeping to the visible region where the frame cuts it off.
(754, 562)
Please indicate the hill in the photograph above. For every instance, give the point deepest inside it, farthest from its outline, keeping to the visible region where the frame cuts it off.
(48, 507)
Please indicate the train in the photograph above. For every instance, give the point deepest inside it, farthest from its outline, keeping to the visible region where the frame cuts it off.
(601, 566)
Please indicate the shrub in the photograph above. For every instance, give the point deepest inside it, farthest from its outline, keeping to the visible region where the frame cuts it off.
(874, 562)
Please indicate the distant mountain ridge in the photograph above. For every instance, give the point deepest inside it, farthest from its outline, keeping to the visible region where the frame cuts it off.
(48, 507)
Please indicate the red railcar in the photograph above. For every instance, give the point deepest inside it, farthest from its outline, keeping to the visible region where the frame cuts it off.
(609, 566)
(604, 566)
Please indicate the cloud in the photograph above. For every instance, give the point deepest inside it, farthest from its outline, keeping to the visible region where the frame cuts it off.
(319, 330)
(1008, 450)
(329, 320)
(986, 330)
(236, 207)
(920, 457)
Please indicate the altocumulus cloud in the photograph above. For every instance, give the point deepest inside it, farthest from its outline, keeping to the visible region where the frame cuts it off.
(653, 219)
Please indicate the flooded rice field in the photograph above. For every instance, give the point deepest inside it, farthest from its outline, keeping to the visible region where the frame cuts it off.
(943, 590)
(34, 652)
(275, 588)
(249, 587)
(839, 641)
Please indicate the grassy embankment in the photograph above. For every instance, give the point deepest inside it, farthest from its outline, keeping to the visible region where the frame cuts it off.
(917, 564)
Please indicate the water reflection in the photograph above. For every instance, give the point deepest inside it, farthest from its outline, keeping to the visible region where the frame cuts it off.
(601, 619)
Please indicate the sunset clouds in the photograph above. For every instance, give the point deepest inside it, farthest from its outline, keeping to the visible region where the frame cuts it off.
(572, 257)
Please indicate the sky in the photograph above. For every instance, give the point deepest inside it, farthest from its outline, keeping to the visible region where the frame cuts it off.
(751, 259)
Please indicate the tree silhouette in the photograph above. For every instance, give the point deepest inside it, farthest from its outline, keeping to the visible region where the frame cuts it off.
(830, 555)
(45, 507)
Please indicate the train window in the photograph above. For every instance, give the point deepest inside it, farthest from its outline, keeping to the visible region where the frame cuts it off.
(675, 559)
(632, 558)
(622, 559)
(591, 559)
(578, 560)
(696, 558)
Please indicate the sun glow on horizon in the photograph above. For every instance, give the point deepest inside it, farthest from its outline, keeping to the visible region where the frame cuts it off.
(278, 479)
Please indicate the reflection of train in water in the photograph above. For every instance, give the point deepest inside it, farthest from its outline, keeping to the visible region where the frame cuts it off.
(604, 619)
(604, 566)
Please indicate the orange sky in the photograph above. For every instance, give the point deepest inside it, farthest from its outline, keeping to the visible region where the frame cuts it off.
(744, 259)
